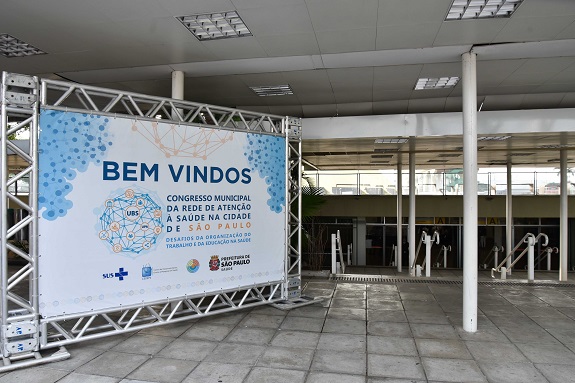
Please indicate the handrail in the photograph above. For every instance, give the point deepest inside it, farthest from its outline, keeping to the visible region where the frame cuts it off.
(491, 254)
(498, 268)
(542, 235)
(339, 249)
(531, 240)
(423, 234)
(546, 253)
(440, 253)
(434, 237)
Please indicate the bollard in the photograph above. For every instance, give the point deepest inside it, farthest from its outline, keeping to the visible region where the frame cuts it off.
(503, 272)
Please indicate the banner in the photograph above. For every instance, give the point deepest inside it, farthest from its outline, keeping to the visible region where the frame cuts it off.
(137, 211)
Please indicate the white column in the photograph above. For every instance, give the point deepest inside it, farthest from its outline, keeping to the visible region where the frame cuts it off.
(469, 192)
(178, 85)
(509, 245)
(412, 240)
(177, 89)
(563, 221)
(399, 247)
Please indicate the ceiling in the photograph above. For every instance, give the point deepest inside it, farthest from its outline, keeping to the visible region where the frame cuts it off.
(340, 57)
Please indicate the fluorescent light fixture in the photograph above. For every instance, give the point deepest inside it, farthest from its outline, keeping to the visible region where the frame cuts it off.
(436, 83)
(215, 26)
(493, 138)
(10, 46)
(437, 161)
(391, 140)
(272, 90)
(391, 150)
(497, 161)
(382, 156)
(460, 148)
(450, 155)
(521, 154)
(378, 162)
(555, 146)
(481, 9)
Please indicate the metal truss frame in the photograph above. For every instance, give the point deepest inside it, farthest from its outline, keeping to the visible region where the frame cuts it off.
(24, 333)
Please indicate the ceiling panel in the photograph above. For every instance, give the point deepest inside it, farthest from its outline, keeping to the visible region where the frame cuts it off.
(533, 28)
(545, 8)
(397, 12)
(353, 40)
(312, 111)
(406, 36)
(469, 32)
(342, 15)
(293, 44)
(390, 107)
(277, 19)
(187, 7)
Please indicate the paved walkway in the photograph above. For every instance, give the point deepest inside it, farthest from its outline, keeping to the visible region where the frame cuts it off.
(365, 332)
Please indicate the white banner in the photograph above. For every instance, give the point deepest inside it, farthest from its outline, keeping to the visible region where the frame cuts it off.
(138, 211)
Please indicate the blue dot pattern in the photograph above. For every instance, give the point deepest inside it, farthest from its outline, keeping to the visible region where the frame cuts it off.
(266, 155)
(69, 142)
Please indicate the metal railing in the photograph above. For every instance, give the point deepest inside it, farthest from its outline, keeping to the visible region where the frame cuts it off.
(546, 182)
(530, 240)
(428, 240)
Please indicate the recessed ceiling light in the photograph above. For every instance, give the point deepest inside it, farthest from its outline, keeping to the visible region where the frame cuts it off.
(436, 83)
(391, 140)
(214, 26)
(10, 46)
(272, 90)
(481, 9)
(493, 138)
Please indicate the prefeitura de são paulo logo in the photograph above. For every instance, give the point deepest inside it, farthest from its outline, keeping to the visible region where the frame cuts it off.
(214, 263)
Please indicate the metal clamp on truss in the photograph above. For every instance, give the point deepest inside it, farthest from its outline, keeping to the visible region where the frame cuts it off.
(22, 337)
(20, 90)
(294, 127)
(294, 290)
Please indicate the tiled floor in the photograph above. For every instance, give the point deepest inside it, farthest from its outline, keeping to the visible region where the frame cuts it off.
(363, 332)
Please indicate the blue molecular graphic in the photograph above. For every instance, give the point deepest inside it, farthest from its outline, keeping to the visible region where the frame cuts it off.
(131, 222)
(69, 142)
(266, 154)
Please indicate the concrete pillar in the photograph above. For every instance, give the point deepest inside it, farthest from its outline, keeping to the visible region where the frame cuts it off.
(177, 89)
(563, 221)
(411, 227)
(509, 245)
(399, 247)
(469, 192)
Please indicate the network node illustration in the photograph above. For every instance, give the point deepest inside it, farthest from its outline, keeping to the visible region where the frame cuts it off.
(182, 141)
(131, 222)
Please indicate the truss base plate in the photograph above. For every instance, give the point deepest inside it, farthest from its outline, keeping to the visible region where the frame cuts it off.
(32, 359)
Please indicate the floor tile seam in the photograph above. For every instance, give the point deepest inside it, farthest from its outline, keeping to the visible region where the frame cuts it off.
(507, 365)
(476, 363)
